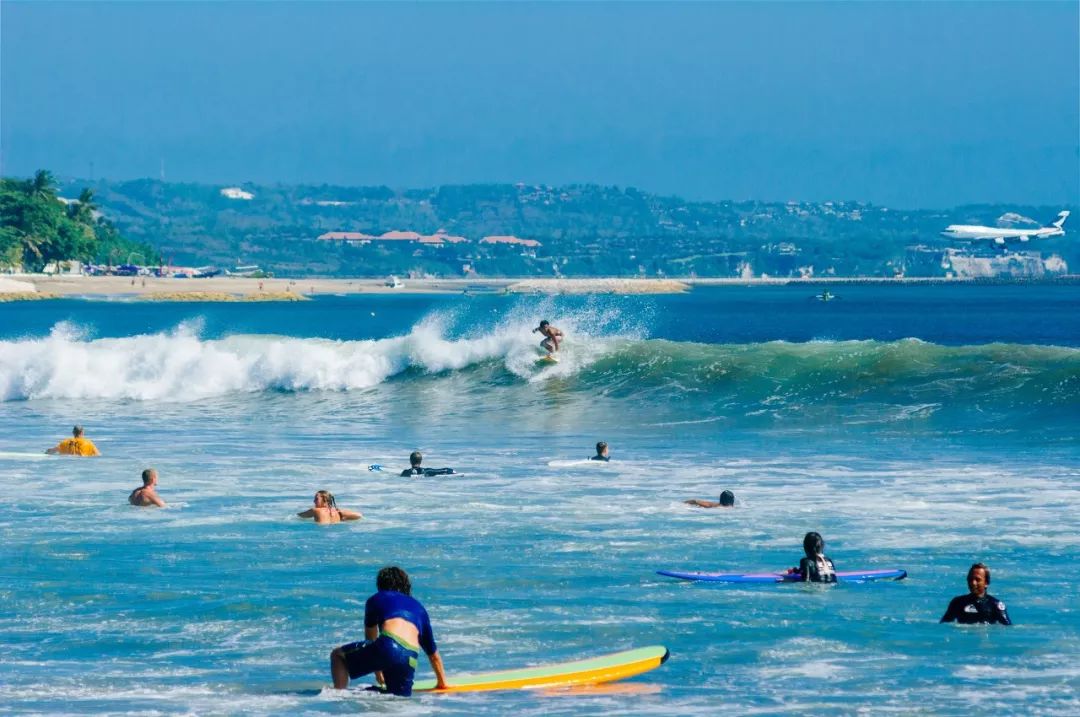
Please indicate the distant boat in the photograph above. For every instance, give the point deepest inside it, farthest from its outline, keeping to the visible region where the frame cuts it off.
(394, 283)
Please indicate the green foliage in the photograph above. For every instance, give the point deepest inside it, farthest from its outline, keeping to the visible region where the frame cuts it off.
(584, 230)
(37, 228)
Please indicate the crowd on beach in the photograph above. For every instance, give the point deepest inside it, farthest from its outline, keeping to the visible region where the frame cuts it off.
(397, 626)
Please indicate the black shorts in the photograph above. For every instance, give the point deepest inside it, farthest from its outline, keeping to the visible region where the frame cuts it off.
(387, 654)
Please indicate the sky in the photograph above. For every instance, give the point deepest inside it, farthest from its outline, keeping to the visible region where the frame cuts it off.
(907, 105)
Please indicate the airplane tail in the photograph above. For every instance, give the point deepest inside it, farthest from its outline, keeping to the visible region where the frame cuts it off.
(1062, 216)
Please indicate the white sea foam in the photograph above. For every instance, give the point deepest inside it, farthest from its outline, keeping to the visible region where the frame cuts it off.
(181, 366)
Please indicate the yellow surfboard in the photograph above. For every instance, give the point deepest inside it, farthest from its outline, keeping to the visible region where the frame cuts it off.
(593, 671)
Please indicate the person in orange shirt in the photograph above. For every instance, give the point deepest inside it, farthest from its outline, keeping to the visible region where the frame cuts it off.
(75, 446)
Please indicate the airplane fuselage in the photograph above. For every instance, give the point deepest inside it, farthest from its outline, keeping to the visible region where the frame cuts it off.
(973, 232)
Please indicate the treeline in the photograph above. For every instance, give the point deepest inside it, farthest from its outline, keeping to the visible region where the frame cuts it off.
(583, 230)
(37, 228)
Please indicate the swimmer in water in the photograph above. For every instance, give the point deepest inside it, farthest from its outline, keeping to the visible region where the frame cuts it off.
(601, 452)
(978, 607)
(77, 445)
(816, 567)
(552, 336)
(326, 510)
(396, 627)
(727, 500)
(414, 469)
(146, 496)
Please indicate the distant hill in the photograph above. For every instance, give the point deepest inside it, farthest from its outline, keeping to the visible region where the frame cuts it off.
(577, 230)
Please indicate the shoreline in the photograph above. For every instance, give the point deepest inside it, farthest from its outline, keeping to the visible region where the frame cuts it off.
(37, 286)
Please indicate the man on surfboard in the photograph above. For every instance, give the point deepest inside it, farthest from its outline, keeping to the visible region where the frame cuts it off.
(551, 340)
(396, 627)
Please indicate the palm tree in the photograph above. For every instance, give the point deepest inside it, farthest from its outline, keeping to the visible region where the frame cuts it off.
(43, 185)
(84, 211)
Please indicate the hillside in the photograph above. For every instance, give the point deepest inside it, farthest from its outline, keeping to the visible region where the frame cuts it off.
(582, 230)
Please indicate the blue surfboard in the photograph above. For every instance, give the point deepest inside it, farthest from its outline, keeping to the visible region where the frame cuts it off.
(845, 576)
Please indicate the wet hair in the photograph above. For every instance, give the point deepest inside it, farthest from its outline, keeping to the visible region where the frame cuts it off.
(600, 446)
(77, 431)
(544, 323)
(393, 578)
(416, 458)
(727, 498)
(148, 475)
(328, 498)
(979, 566)
(813, 545)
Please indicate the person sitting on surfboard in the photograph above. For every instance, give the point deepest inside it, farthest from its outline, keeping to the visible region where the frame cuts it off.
(727, 500)
(75, 446)
(414, 469)
(816, 567)
(552, 336)
(326, 510)
(396, 626)
(146, 496)
(978, 607)
(601, 452)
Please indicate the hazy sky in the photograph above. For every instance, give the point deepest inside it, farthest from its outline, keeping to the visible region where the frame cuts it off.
(913, 104)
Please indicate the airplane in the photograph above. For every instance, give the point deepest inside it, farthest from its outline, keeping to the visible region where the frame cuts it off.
(1000, 236)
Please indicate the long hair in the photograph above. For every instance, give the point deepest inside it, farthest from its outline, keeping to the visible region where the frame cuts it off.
(393, 578)
(328, 498)
(813, 545)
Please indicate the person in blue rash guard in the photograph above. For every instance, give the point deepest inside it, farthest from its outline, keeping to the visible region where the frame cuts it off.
(816, 567)
(978, 607)
(396, 627)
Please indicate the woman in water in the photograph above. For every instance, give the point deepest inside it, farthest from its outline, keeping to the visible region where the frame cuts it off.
(816, 567)
(326, 510)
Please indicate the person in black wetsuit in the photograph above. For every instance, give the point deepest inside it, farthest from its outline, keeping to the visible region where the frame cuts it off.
(816, 567)
(727, 500)
(414, 469)
(601, 452)
(978, 607)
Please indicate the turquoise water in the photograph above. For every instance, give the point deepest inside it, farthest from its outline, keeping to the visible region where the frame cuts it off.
(915, 427)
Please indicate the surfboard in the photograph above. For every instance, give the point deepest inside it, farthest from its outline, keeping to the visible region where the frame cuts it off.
(847, 576)
(582, 462)
(547, 359)
(593, 671)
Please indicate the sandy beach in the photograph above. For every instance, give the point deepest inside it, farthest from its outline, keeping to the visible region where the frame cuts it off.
(35, 286)
(236, 288)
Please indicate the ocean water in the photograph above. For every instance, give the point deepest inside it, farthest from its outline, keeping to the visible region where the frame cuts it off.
(915, 427)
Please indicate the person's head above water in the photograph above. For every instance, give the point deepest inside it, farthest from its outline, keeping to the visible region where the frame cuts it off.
(813, 545)
(727, 499)
(544, 323)
(77, 431)
(416, 458)
(978, 578)
(149, 477)
(601, 448)
(393, 578)
(325, 499)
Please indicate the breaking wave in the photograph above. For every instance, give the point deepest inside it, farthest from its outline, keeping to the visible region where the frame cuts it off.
(180, 366)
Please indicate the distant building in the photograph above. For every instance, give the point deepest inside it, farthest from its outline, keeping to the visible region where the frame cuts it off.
(439, 238)
(236, 193)
(510, 240)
